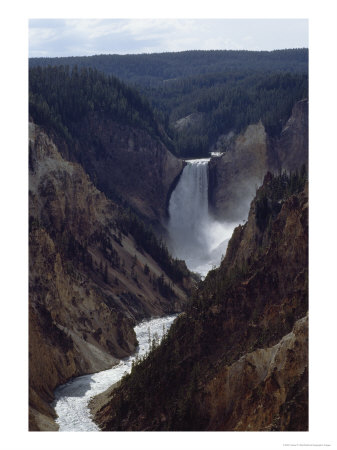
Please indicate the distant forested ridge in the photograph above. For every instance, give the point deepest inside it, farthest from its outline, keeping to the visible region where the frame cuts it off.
(152, 69)
(226, 89)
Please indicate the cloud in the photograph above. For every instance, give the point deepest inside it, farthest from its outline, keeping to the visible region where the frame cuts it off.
(71, 37)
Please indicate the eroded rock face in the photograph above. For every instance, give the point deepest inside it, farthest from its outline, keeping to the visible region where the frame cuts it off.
(88, 283)
(224, 142)
(253, 393)
(129, 164)
(190, 122)
(292, 146)
(234, 177)
(292, 220)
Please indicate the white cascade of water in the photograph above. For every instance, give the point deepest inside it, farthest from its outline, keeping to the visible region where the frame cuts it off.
(194, 235)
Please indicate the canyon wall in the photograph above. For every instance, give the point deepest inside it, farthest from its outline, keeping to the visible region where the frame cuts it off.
(127, 164)
(236, 174)
(291, 147)
(90, 280)
(234, 177)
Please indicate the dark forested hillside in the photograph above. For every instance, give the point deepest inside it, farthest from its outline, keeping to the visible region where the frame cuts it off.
(227, 90)
(111, 130)
(226, 102)
(61, 97)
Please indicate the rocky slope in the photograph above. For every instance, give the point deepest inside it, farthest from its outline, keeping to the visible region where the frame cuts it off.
(238, 358)
(291, 147)
(235, 175)
(127, 163)
(90, 279)
(112, 131)
(271, 384)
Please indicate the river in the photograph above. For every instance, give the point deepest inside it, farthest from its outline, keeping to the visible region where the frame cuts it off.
(72, 398)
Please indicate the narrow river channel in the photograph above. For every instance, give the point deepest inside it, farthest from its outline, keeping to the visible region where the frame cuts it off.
(72, 398)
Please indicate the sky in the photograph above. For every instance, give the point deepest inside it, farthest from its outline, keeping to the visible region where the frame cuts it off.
(84, 37)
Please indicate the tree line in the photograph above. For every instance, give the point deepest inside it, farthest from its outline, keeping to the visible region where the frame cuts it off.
(157, 68)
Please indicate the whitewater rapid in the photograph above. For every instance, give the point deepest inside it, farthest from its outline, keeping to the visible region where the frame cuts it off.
(72, 398)
(194, 235)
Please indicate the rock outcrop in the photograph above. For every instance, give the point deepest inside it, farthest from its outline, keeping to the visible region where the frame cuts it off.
(235, 176)
(90, 280)
(224, 143)
(291, 147)
(238, 358)
(189, 123)
(267, 383)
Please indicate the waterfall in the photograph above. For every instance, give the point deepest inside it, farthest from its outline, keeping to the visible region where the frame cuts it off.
(194, 235)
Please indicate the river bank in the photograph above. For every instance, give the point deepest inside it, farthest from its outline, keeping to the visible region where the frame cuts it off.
(72, 399)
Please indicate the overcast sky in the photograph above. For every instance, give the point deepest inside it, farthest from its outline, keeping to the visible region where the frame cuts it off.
(77, 37)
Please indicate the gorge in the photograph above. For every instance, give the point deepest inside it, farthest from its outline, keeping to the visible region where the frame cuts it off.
(243, 339)
(121, 221)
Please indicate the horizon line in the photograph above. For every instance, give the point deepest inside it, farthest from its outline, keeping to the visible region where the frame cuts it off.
(167, 52)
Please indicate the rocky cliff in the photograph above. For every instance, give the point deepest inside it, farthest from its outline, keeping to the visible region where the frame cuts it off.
(90, 279)
(127, 164)
(235, 175)
(238, 358)
(291, 147)
(271, 385)
(112, 131)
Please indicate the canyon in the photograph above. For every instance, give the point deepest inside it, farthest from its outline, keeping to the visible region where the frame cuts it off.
(122, 230)
(237, 358)
(90, 280)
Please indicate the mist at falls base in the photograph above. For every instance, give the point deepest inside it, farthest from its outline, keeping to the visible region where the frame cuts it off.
(194, 235)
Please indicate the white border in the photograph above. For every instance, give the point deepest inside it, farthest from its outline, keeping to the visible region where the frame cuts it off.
(14, 41)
